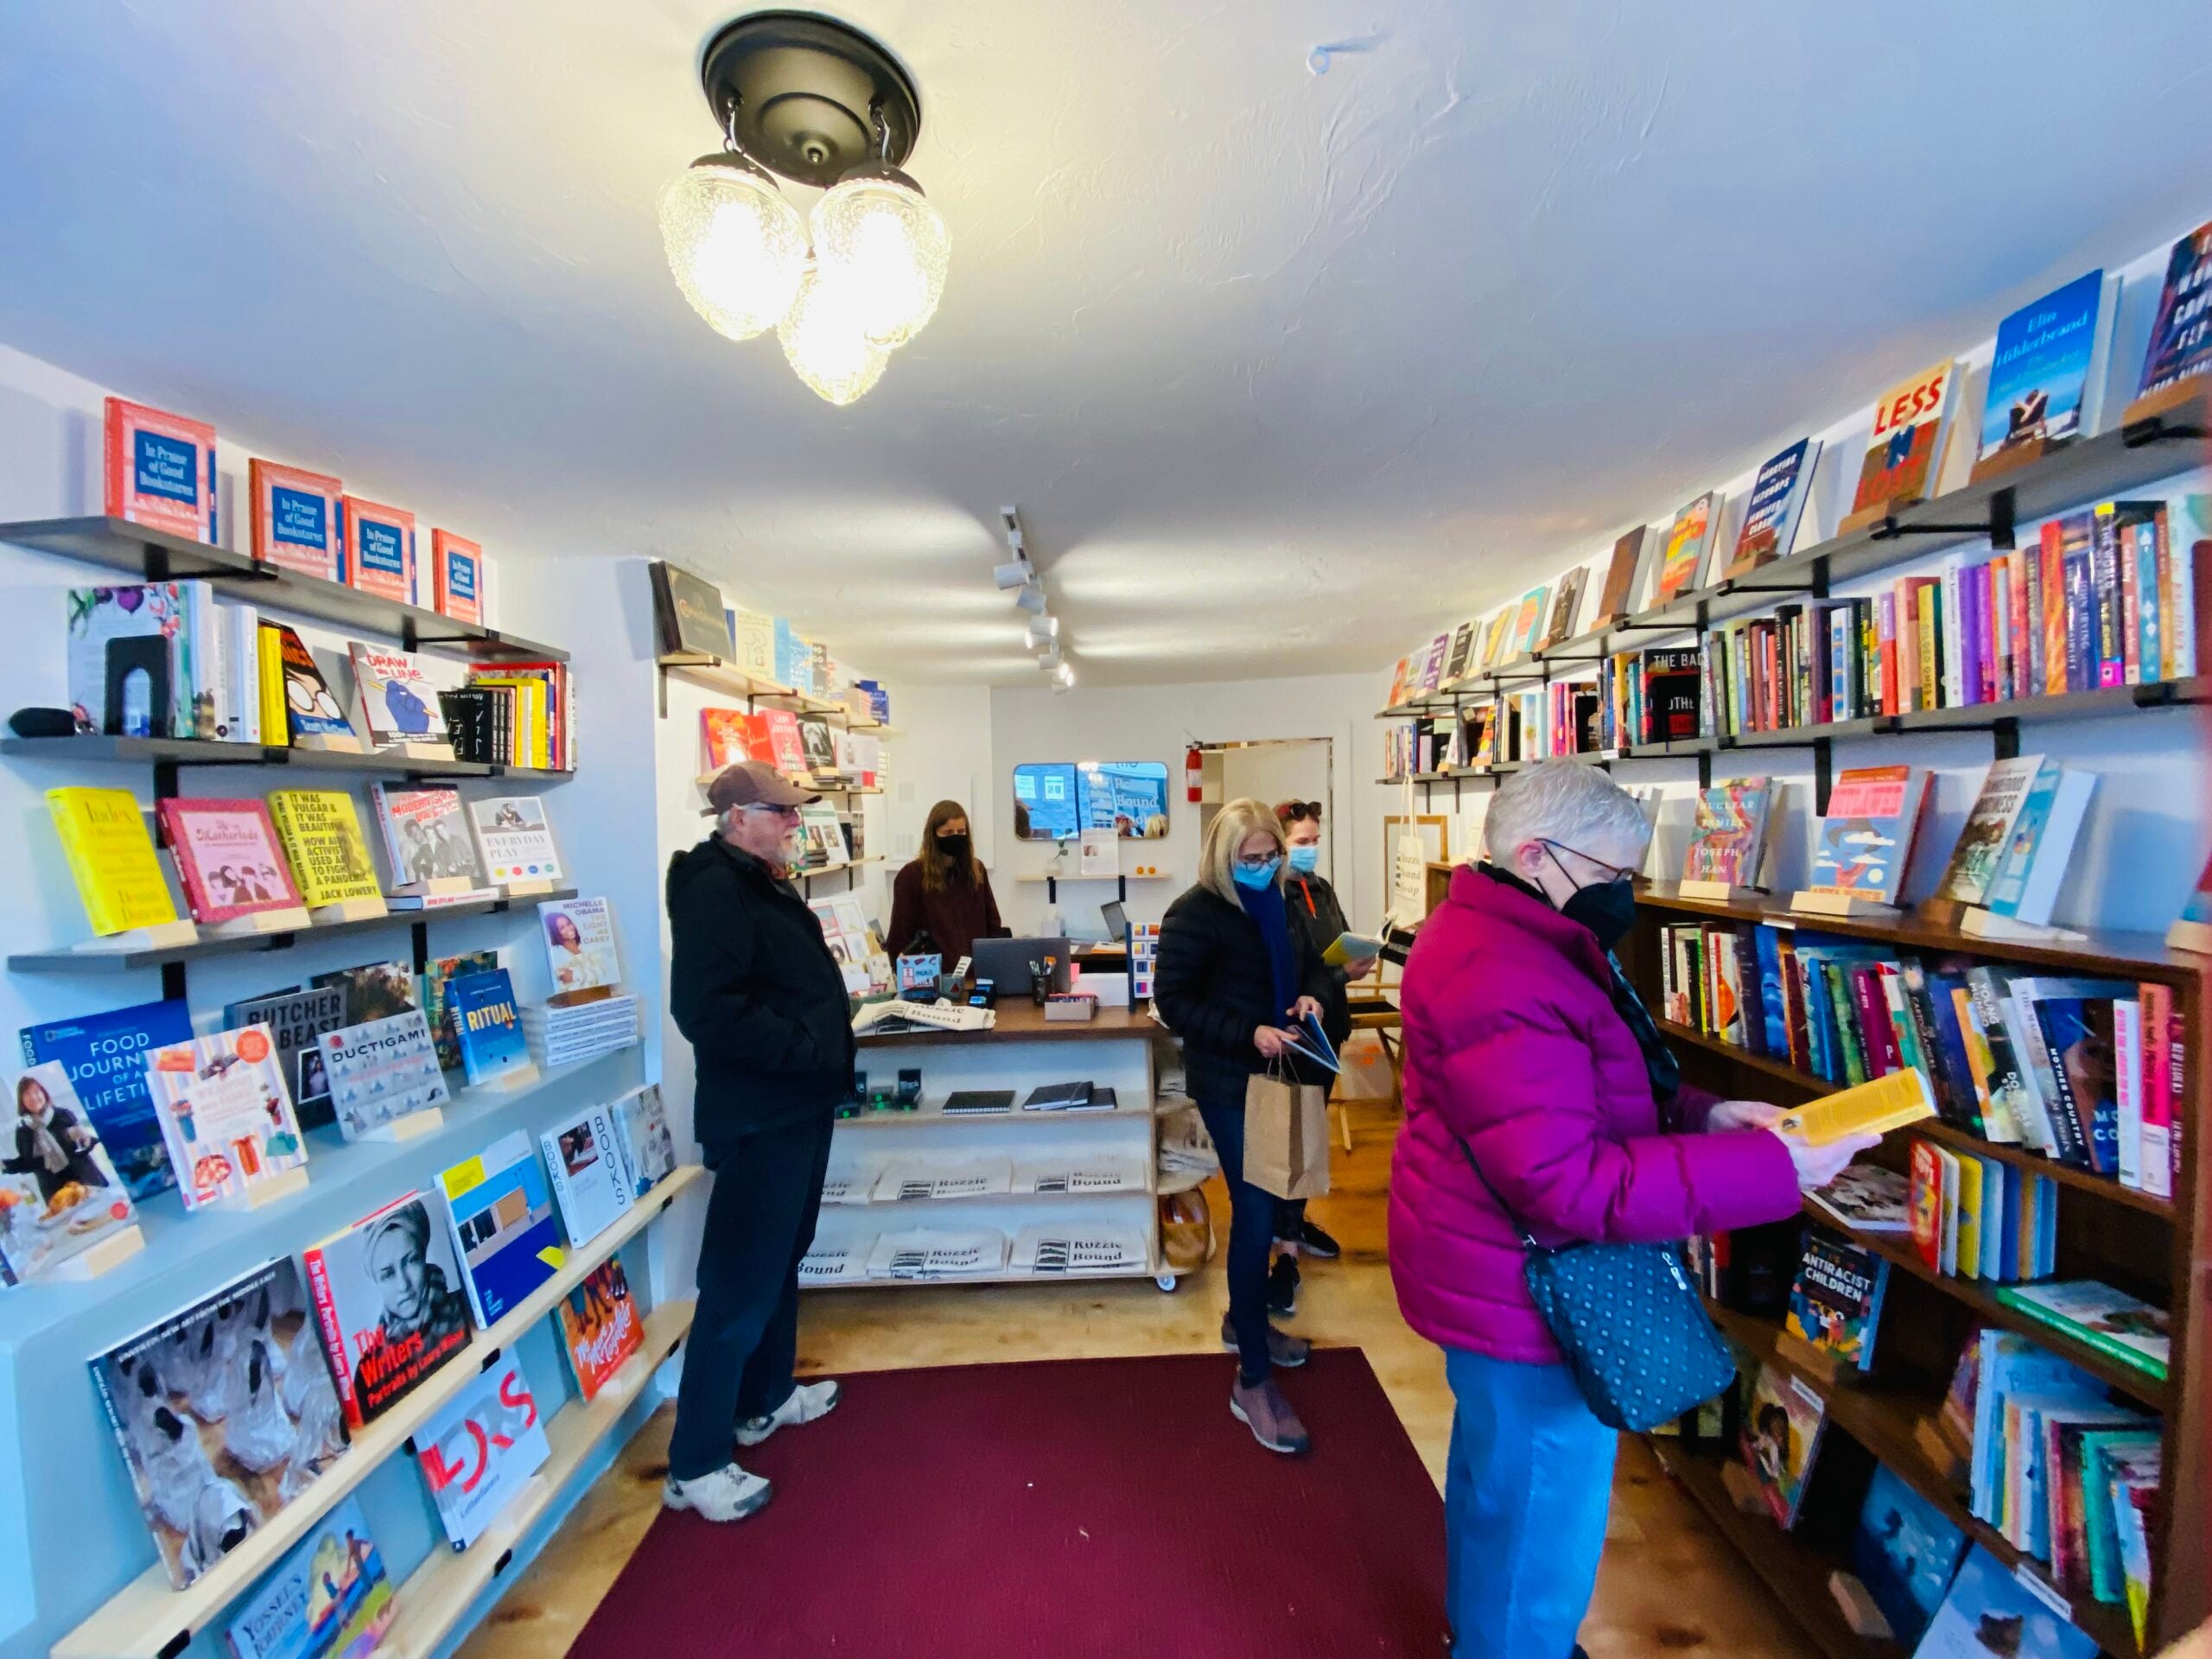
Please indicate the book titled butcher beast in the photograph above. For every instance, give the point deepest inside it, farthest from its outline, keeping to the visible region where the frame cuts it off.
(387, 1303)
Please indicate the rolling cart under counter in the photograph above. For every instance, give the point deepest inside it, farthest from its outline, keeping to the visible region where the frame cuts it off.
(1068, 1173)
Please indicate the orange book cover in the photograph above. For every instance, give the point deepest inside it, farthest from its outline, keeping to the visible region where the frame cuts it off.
(380, 549)
(2053, 620)
(295, 516)
(161, 470)
(1901, 449)
(456, 577)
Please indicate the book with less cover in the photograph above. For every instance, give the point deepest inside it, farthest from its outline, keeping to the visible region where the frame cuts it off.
(1909, 420)
(1988, 831)
(295, 520)
(601, 1324)
(516, 839)
(228, 857)
(329, 1598)
(59, 1194)
(500, 1210)
(425, 834)
(1782, 1432)
(1905, 1551)
(487, 1025)
(104, 1055)
(589, 1181)
(225, 1412)
(1867, 835)
(382, 1071)
(1988, 1614)
(1835, 1304)
(103, 836)
(321, 836)
(226, 1113)
(386, 1305)
(481, 1449)
(2041, 370)
(1778, 497)
(161, 470)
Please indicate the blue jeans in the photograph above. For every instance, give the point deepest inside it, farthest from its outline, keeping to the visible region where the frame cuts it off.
(1525, 1497)
(1251, 1237)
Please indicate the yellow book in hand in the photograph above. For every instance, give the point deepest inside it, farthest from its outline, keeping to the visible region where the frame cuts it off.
(119, 874)
(1875, 1108)
(322, 842)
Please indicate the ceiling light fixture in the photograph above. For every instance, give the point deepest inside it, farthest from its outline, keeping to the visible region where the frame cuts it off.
(1031, 597)
(814, 102)
(1042, 634)
(1043, 631)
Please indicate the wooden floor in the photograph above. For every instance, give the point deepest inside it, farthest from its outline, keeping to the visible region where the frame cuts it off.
(1670, 1585)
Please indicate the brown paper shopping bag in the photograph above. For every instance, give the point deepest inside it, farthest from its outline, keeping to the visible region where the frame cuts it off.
(1286, 1136)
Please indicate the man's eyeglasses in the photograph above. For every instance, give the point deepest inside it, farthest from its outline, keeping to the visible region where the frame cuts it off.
(786, 813)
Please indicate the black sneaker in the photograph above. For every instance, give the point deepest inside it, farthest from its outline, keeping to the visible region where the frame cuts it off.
(1282, 1287)
(1314, 1242)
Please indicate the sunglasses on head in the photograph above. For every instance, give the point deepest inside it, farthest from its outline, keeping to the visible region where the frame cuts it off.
(1299, 811)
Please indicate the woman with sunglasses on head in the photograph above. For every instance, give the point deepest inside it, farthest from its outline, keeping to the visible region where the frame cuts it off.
(943, 893)
(1232, 979)
(1538, 1097)
(1317, 915)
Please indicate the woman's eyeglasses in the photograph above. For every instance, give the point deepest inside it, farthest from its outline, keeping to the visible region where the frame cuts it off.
(1612, 872)
(1246, 861)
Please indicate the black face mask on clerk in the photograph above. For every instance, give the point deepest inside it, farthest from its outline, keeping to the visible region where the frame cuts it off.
(1607, 908)
(954, 848)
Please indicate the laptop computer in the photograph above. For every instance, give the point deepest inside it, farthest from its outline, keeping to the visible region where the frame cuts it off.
(1005, 963)
(1117, 921)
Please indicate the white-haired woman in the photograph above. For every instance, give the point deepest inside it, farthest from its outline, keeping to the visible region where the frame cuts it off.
(1232, 975)
(1533, 1077)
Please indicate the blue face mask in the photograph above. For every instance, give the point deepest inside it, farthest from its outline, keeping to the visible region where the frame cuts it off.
(1306, 859)
(1262, 877)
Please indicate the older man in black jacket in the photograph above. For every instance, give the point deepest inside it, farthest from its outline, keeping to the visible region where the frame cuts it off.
(755, 990)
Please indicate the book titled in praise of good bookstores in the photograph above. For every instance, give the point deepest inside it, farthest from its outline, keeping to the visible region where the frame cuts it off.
(457, 576)
(295, 520)
(380, 548)
(161, 470)
(386, 1305)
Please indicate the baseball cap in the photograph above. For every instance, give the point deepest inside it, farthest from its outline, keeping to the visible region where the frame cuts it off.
(754, 782)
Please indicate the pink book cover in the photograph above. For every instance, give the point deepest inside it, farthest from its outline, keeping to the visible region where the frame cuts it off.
(295, 520)
(161, 470)
(227, 856)
(783, 736)
(457, 577)
(380, 549)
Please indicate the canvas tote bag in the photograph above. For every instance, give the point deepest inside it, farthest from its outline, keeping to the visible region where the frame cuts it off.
(1286, 1134)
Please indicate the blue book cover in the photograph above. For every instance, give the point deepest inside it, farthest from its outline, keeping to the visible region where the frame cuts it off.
(2012, 877)
(487, 1025)
(1777, 498)
(504, 1229)
(105, 1057)
(1776, 1012)
(1905, 1551)
(1987, 1613)
(2081, 660)
(2041, 369)
(329, 1598)
(1950, 1037)
(2150, 644)
(793, 659)
(2078, 1031)
(2180, 333)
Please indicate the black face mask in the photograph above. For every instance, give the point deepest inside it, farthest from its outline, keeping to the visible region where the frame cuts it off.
(1606, 908)
(954, 848)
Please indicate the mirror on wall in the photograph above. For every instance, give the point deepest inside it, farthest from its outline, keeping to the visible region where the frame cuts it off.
(1056, 800)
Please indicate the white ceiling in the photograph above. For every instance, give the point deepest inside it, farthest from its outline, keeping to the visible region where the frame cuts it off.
(1282, 368)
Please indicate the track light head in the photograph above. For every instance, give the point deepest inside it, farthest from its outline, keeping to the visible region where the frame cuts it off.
(1043, 631)
(1049, 659)
(1031, 597)
(1014, 573)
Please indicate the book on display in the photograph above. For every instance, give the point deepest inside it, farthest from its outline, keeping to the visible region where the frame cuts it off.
(2048, 355)
(1688, 546)
(1835, 1304)
(648, 1147)
(481, 1449)
(1778, 497)
(1782, 1432)
(103, 833)
(312, 708)
(2180, 333)
(103, 1056)
(457, 576)
(602, 1325)
(295, 520)
(60, 1195)
(228, 857)
(487, 1027)
(1983, 842)
(321, 836)
(1989, 1614)
(399, 699)
(1867, 835)
(386, 1305)
(161, 471)
(438, 974)
(1899, 466)
(1728, 834)
(500, 1210)
(1867, 1198)
(329, 1597)
(516, 839)
(1905, 1551)
(1625, 570)
(2032, 869)
(580, 949)
(297, 1020)
(381, 1072)
(590, 1182)
(226, 1114)
(380, 548)
(425, 834)
(2112, 1322)
(126, 651)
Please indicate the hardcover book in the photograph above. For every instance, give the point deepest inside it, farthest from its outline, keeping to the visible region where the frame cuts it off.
(2032, 871)
(321, 837)
(786, 748)
(1909, 418)
(379, 543)
(2041, 370)
(311, 708)
(397, 698)
(128, 655)
(481, 1449)
(2180, 333)
(1989, 1615)
(1867, 1198)
(589, 1182)
(1905, 1551)
(59, 1194)
(501, 1213)
(1728, 834)
(1617, 599)
(104, 1055)
(580, 948)
(601, 1323)
(1528, 628)
(382, 1071)
(689, 614)
(1782, 1431)
(385, 1305)
(1988, 829)
(2112, 1322)
(456, 577)
(1567, 605)
(329, 1598)
(225, 1412)
(822, 836)
(295, 520)
(297, 1019)
(373, 990)
(487, 1026)
(425, 834)
(438, 974)
(1778, 497)
(1835, 1305)
(648, 1148)
(818, 747)
(732, 736)
(1689, 541)
(103, 836)
(754, 637)
(228, 857)
(515, 839)
(1867, 832)
(226, 1113)
(161, 471)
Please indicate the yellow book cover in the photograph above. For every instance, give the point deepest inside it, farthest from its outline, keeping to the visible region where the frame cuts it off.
(530, 747)
(1931, 664)
(275, 722)
(1873, 1107)
(112, 856)
(1970, 1174)
(321, 835)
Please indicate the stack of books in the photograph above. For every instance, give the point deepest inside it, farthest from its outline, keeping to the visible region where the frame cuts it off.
(580, 1031)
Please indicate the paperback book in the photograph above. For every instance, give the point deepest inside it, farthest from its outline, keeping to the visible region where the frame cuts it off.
(2113, 1323)
(329, 1597)
(1905, 1551)
(380, 548)
(601, 1323)
(373, 990)
(1867, 835)
(295, 520)
(385, 1305)
(112, 859)
(1782, 1432)
(515, 839)
(590, 1182)
(161, 471)
(486, 1026)
(481, 1449)
(2041, 369)
(127, 660)
(1624, 569)
(2181, 333)
(311, 708)
(399, 702)
(1867, 1198)
(425, 834)
(228, 857)
(1778, 497)
(225, 1412)
(226, 1114)
(381, 1072)
(1835, 1305)
(501, 1213)
(438, 974)
(580, 948)
(1688, 544)
(103, 1056)
(1728, 836)
(1982, 843)
(297, 1020)
(1909, 421)
(59, 1194)
(1988, 1614)
(648, 1147)
(321, 837)
(2032, 870)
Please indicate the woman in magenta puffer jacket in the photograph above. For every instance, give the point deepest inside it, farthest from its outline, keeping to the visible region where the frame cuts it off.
(1526, 1053)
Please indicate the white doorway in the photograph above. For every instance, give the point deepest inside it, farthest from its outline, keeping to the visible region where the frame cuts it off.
(1286, 769)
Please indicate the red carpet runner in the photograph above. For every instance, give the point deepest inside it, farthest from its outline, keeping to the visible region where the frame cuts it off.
(1057, 1510)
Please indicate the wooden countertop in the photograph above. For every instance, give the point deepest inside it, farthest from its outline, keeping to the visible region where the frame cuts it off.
(1022, 1020)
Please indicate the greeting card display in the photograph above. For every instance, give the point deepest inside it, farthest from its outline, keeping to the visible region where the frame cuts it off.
(295, 520)
(226, 1116)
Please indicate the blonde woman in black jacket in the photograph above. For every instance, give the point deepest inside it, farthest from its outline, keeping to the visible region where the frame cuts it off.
(1232, 976)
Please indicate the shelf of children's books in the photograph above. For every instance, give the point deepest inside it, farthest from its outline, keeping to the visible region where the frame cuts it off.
(1804, 1083)
(146, 554)
(435, 1596)
(1885, 1421)
(90, 958)
(1796, 1571)
(2098, 951)
(149, 1619)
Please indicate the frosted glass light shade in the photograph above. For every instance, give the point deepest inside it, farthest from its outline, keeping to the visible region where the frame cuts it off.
(824, 344)
(877, 236)
(736, 248)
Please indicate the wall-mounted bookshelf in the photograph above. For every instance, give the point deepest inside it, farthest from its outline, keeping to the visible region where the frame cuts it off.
(92, 748)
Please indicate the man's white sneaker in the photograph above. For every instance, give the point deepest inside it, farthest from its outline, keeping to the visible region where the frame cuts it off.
(726, 1494)
(807, 1403)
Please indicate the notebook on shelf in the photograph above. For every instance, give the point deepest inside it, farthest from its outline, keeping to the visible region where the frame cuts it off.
(1059, 1097)
(978, 1103)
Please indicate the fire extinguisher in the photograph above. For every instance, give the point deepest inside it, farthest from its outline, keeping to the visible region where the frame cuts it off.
(1194, 773)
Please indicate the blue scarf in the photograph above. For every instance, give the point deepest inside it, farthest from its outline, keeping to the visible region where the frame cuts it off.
(1265, 906)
